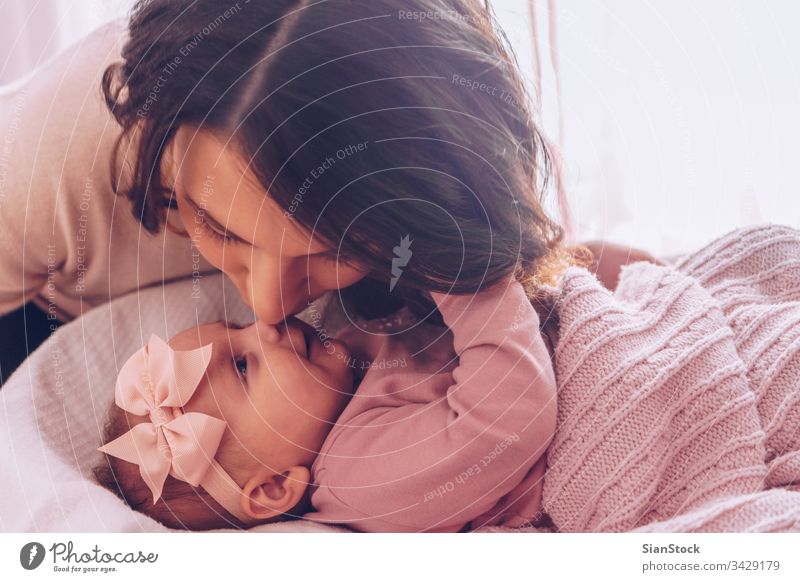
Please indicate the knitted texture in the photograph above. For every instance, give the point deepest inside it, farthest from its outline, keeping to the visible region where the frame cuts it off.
(679, 393)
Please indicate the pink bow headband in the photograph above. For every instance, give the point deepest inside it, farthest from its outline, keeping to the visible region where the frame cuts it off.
(158, 381)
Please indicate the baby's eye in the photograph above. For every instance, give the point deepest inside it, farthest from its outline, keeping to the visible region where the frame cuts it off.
(241, 367)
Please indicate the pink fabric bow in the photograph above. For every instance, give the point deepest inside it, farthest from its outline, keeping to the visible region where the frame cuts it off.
(157, 381)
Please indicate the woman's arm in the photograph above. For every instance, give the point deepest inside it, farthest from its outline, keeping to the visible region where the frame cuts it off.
(24, 241)
(56, 205)
(438, 465)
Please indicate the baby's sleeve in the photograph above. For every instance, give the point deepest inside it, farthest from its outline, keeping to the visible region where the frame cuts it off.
(435, 466)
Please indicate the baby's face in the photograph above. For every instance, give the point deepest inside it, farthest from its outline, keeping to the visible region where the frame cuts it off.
(278, 388)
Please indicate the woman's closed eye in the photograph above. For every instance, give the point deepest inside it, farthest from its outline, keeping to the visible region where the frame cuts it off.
(328, 256)
(333, 256)
(221, 238)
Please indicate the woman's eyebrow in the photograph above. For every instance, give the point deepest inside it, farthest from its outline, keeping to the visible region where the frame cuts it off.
(214, 223)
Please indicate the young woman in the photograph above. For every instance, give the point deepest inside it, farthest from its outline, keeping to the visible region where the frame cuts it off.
(299, 146)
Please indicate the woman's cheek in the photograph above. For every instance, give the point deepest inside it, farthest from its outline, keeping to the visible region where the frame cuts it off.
(337, 276)
(193, 225)
(210, 249)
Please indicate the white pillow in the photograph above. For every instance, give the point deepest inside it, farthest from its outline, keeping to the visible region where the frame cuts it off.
(54, 407)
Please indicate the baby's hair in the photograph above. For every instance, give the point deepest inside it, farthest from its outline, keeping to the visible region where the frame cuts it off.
(181, 506)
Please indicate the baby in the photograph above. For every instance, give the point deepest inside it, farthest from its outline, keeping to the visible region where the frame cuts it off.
(447, 431)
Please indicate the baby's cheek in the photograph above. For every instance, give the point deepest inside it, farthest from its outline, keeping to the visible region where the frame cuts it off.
(217, 397)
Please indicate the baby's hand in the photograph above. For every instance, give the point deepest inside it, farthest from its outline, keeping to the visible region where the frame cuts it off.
(609, 259)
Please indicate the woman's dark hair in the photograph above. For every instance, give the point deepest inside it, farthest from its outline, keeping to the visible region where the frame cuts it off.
(451, 160)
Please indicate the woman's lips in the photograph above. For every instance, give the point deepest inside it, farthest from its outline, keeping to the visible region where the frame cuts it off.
(301, 337)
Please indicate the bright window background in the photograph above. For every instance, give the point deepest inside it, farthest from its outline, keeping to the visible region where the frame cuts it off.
(681, 119)
(32, 31)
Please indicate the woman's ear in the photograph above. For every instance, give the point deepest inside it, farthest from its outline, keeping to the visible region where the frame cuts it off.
(267, 496)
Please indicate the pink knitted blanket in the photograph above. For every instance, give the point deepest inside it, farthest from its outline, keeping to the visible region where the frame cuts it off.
(679, 394)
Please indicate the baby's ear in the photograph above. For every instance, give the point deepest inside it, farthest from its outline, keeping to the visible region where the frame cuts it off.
(267, 496)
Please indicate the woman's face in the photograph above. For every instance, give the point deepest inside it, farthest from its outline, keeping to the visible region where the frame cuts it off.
(276, 265)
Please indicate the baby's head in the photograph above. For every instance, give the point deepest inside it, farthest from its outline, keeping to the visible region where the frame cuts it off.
(279, 391)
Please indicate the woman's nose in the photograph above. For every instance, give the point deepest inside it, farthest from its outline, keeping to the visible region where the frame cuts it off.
(265, 332)
(275, 288)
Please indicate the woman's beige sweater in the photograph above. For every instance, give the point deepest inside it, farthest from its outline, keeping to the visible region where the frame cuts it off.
(66, 241)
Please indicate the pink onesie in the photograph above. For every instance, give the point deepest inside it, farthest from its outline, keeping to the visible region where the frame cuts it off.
(449, 427)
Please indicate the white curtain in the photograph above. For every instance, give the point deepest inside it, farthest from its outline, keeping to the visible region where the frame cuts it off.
(32, 31)
(681, 119)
